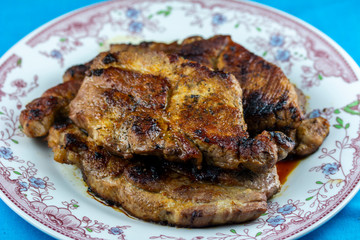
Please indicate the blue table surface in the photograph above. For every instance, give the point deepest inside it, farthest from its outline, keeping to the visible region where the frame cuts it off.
(340, 20)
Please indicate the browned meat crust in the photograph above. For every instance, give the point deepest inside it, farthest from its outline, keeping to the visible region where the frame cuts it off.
(173, 194)
(157, 104)
(310, 135)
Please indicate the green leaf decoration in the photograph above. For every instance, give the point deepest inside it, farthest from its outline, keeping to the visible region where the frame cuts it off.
(75, 206)
(101, 44)
(89, 229)
(319, 182)
(16, 172)
(237, 25)
(165, 12)
(264, 214)
(233, 231)
(320, 77)
(258, 29)
(19, 62)
(309, 198)
(14, 141)
(258, 234)
(63, 39)
(264, 54)
(150, 16)
(1, 113)
(348, 107)
(347, 125)
(337, 126)
(20, 127)
(340, 121)
(337, 111)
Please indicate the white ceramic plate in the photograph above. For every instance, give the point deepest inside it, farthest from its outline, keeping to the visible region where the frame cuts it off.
(53, 197)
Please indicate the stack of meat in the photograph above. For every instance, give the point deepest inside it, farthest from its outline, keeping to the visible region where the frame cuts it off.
(185, 134)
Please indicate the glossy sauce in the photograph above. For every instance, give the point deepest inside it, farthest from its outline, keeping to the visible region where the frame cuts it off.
(285, 167)
(103, 202)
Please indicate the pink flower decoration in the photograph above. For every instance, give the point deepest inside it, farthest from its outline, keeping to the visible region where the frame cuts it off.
(60, 216)
(306, 69)
(19, 83)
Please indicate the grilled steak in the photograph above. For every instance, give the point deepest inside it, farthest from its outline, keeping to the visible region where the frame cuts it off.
(169, 193)
(162, 105)
(270, 100)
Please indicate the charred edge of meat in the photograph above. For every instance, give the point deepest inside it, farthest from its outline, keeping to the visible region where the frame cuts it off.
(76, 72)
(97, 72)
(77, 69)
(281, 139)
(145, 44)
(193, 49)
(40, 107)
(254, 106)
(210, 73)
(109, 58)
(221, 74)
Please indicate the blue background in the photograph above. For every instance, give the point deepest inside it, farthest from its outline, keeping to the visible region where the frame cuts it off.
(338, 19)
